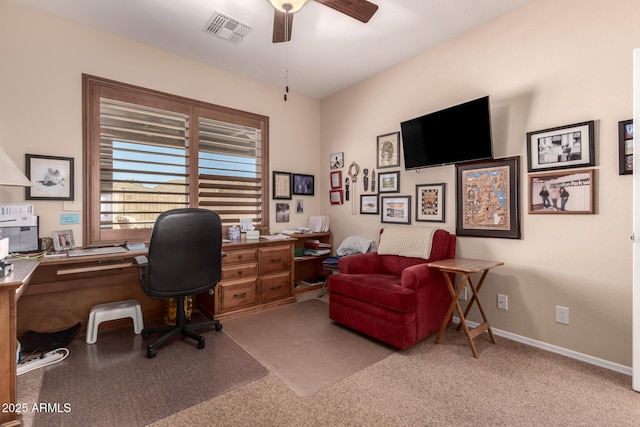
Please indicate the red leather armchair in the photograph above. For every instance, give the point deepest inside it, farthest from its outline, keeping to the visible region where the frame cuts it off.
(394, 298)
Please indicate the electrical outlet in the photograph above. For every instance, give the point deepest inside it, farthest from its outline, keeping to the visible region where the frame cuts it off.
(562, 315)
(503, 302)
(463, 294)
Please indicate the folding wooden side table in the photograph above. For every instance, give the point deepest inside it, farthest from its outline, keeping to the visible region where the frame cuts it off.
(465, 267)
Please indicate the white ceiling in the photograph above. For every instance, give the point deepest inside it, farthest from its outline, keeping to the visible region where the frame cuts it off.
(328, 51)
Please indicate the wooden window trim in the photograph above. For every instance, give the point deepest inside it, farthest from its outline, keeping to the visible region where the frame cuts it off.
(92, 89)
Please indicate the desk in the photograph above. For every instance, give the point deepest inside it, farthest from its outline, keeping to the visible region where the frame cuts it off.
(465, 267)
(10, 287)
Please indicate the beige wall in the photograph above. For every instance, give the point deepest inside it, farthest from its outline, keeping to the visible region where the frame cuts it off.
(549, 64)
(43, 58)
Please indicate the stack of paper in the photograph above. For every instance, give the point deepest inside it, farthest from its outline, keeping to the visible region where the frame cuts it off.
(319, 223)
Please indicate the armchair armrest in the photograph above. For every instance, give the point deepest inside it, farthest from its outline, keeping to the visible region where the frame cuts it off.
(367, 263)
(418, 275)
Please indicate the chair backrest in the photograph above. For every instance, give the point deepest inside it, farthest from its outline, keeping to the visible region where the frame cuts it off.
(185, 253)
(443, 246)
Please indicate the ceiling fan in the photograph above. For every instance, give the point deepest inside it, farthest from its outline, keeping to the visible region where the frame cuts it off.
(362, 10)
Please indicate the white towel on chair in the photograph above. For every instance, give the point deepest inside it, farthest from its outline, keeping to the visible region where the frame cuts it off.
(414, 242)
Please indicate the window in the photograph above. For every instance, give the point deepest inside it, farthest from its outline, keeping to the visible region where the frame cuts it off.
(146, 152)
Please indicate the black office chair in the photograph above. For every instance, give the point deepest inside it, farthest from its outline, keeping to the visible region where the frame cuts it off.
(184, 258)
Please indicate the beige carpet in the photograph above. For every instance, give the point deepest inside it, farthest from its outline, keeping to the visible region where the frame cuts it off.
(511, 384)
(302, 346)
(112, 383)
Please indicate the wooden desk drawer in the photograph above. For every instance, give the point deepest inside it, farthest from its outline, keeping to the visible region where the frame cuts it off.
(237, 294)
(274, 259)
(238, 256)
(239, 271)
(275, 286)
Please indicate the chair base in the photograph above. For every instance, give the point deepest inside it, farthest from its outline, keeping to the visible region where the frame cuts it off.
(181, 328)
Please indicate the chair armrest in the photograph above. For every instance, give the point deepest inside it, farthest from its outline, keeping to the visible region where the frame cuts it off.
(419, 275)
(142, 261)
(367, 263)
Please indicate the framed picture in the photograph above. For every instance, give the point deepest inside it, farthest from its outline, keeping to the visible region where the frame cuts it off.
(561, 148)
(388, 153)
(336, 160)
(52, 177)
(303, 184)
(336, 179)
(430, 202)
(63, 240)
(396, 210)
(299, 206)
(335, 197)
(565, 192)
(487, 198)
(281, 185)
(389, 182)
(625, 138)
(283, 211)
(369, 204)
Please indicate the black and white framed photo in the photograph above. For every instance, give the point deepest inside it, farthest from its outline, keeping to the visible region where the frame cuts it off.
(487, 198)
(303, 185)
(430, 202)
(625, 139)
(562, 147)
(562, 192)
(281, 185)
(388, 150)
(63, 240)
(396, 209)
(369, 204)
(52, 177)
(336, 160)
(283, 212)
(389, 182)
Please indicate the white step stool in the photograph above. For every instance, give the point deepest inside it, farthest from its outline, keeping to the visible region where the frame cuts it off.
(112, 311)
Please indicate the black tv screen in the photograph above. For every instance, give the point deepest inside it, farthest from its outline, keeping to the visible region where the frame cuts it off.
(457, 134)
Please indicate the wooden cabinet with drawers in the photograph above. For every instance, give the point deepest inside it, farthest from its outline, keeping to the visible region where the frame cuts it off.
(255, 275)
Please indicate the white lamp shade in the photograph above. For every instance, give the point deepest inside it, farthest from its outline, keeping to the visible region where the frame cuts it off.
(10, 174)
(288, 6)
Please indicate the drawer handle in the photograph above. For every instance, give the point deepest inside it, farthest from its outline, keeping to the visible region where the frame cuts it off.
(240, 256)
(276, 287)
(276, 259)
(239, 295)
(240, 273)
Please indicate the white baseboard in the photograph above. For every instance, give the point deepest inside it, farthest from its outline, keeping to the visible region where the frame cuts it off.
(555, 349)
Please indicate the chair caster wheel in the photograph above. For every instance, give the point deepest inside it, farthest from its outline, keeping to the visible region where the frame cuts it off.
(145, 335)
(218, 327)
(201, 343)
(151, 352)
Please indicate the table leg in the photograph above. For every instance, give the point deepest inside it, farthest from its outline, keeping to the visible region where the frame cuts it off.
(454, 305)
(470, 334)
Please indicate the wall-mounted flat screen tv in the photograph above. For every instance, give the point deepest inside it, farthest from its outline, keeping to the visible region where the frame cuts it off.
(457, 134)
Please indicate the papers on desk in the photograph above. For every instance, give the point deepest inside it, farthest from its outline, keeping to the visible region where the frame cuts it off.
(96, 251)
(275, 237)
(319, 223)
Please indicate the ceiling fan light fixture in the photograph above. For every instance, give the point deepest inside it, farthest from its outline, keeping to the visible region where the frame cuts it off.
(288, 6)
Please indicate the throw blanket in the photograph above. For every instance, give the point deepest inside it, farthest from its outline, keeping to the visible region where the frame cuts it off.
(414, 242)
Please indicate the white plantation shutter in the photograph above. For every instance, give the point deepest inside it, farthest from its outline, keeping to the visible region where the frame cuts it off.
(230, 170)
(143, 164)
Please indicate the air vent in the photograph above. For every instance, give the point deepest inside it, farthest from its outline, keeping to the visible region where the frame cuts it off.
(227, 28)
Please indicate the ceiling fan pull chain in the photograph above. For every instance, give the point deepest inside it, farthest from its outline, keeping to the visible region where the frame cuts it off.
(286, 56)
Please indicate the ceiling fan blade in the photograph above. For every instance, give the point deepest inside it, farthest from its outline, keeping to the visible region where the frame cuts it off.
(362, 10)
(279, 26)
